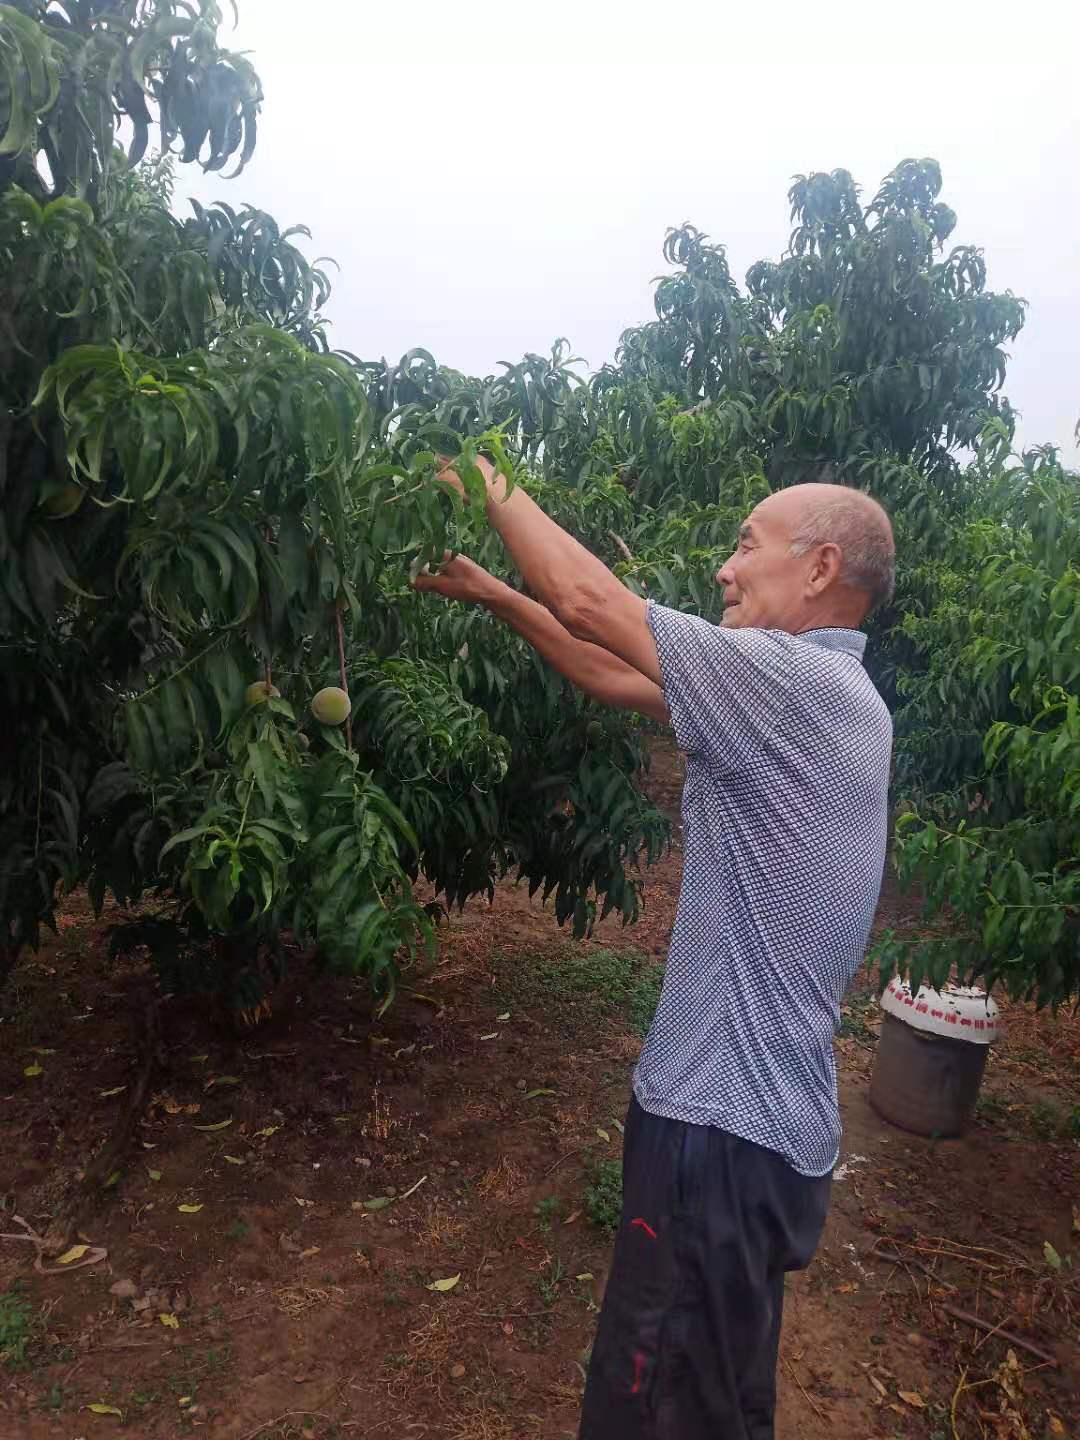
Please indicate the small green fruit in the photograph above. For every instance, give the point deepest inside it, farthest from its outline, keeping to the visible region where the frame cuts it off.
(303, 741)
(331, 706)
(65, 501)
(258, 692)
(594, 731)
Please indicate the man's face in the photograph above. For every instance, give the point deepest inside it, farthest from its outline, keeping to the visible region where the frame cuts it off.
(764, 584)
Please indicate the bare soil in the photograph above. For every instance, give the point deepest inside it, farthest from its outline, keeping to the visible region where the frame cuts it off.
(265, 1297)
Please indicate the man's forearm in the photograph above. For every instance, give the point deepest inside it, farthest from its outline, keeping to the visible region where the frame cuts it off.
(592, 669)
(557, 568)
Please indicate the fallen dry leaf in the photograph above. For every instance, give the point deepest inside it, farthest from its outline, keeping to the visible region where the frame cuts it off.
(442, 1286)
(189, 1209)
(221, 1125)
(102, 1409)
(75, 1253)
(114, 1091)
(913, 1398)
(33, 1070)
(173, 1107)
(169, 1321)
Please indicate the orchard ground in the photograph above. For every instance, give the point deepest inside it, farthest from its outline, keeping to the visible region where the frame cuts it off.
(337, 1225)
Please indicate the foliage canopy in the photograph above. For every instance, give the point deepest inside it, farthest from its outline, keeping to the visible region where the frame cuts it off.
(197, 493)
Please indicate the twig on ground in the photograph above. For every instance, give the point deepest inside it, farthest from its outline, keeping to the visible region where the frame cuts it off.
(979, 1324)
(806, 1393)
(285, 1416)
(895, 1259)
(561, 1158)
(960, 1388)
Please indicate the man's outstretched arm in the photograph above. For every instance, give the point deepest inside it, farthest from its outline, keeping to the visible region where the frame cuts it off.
(591, 668)
(578, 589)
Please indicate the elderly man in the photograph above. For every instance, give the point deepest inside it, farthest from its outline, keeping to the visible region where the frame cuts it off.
(734, 1127)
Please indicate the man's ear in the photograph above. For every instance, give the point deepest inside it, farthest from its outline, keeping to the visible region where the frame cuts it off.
(828, 560)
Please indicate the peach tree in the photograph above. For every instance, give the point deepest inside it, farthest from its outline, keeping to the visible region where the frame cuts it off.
(207, 518)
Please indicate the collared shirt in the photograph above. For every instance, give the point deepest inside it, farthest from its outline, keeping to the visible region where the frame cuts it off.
(784, 831)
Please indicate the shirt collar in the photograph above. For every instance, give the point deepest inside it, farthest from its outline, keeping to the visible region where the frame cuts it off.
(847, 642)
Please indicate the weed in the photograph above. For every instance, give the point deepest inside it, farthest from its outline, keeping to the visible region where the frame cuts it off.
(16, 1330)
(547, 1211)
(1045, 1120)
(853, 1016)
(53, 1399)
(548, 1282)
(991, 1109)
(603, 1196)
(583, 1289)
(238, 1230)
(379, 1123)
(1072, 1123)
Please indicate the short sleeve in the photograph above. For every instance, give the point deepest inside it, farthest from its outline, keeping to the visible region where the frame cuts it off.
(728, 690)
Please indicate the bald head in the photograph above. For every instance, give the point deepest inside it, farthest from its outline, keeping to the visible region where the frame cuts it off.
(817, 514)
(808, 556)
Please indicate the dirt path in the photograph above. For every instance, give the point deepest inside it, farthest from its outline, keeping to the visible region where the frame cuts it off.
(263, 1293)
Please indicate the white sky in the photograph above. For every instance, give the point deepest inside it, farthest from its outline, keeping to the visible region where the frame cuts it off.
(491, 176)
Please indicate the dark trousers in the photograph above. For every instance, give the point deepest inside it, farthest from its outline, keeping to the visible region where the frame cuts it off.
(689, 1331)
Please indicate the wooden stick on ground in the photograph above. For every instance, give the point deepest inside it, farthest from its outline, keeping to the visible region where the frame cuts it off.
(978, 1323)
(806, 1393)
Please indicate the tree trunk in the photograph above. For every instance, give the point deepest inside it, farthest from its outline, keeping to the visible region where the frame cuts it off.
(84, 1197)
(8, 955)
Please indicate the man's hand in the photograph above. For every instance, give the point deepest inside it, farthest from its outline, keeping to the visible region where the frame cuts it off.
(459, 579)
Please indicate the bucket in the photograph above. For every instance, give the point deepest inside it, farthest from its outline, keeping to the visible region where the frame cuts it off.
(931, 1057)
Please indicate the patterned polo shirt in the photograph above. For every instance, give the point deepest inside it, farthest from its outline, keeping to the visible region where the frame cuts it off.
(784, 829)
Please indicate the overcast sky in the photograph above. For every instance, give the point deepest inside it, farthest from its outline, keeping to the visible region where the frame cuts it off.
(491, 176)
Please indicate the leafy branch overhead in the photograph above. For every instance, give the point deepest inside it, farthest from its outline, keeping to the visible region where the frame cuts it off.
(208, 518)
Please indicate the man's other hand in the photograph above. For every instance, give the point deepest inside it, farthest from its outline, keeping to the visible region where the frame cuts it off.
(459, 579)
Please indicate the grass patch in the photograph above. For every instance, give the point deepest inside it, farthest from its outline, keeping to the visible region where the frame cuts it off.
(603, 1196)
(622, 983)
(547, 1211)
(992, 1109)
(16, 1330)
